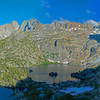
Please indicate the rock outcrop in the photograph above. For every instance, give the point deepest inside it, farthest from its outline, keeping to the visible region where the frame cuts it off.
(7, 29)
(96, 26)
(92, 22)
(72, 26)
(29, 25)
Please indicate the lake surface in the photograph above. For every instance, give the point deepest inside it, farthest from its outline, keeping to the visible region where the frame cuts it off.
(41, 73)
(5, 94)
(76, 90)
(95, 37)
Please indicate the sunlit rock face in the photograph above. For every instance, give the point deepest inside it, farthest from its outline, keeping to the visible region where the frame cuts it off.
(91, 22)
(65, 43)
(29, 25)
(61, 42)
(15, 25)
(7, 29)
(72, 26)
(96, 26)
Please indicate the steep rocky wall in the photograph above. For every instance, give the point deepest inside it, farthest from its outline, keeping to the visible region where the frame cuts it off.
(65, 42)
(7, 29)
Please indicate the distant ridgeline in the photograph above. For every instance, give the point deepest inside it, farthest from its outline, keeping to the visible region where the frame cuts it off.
(95, 37)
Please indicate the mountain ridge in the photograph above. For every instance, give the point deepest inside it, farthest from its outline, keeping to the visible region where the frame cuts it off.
(31, 24)
(35, 43)
(48, 44)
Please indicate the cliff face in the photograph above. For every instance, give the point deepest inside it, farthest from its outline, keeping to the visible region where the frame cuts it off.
(7, 29)
(72, 26)
(36, 43)
(29, 25)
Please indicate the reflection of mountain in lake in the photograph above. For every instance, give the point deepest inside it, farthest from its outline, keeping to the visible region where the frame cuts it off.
(41, 73)
(5, 94)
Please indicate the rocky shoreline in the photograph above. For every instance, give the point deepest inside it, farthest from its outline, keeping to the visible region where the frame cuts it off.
(34, 43)
(88, 85)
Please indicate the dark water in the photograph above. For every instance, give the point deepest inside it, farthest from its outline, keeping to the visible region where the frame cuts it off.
(41, 73)
(95, 37)
(5, 94)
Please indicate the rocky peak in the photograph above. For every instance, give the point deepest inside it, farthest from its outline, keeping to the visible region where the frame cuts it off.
(72, 26)
(92, 22)
(78, 26)
(56, 25)
(96, 26)
(15, 25)
(7, 29)
(29, 25)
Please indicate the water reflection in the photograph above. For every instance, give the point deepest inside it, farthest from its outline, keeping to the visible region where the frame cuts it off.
(95, 37)
(5, 94)
(41, 73)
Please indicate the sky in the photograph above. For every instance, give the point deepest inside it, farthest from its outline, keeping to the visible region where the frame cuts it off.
(47, 11)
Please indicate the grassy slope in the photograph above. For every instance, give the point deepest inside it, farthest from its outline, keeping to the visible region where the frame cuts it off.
(14, 53)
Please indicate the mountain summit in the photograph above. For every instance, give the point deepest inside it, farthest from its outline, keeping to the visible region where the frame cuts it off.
(33, 24)
(29, 25)
(7, 29)
(92, 22)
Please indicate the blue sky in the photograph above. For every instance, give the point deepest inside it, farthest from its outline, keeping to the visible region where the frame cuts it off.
(47, 11)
